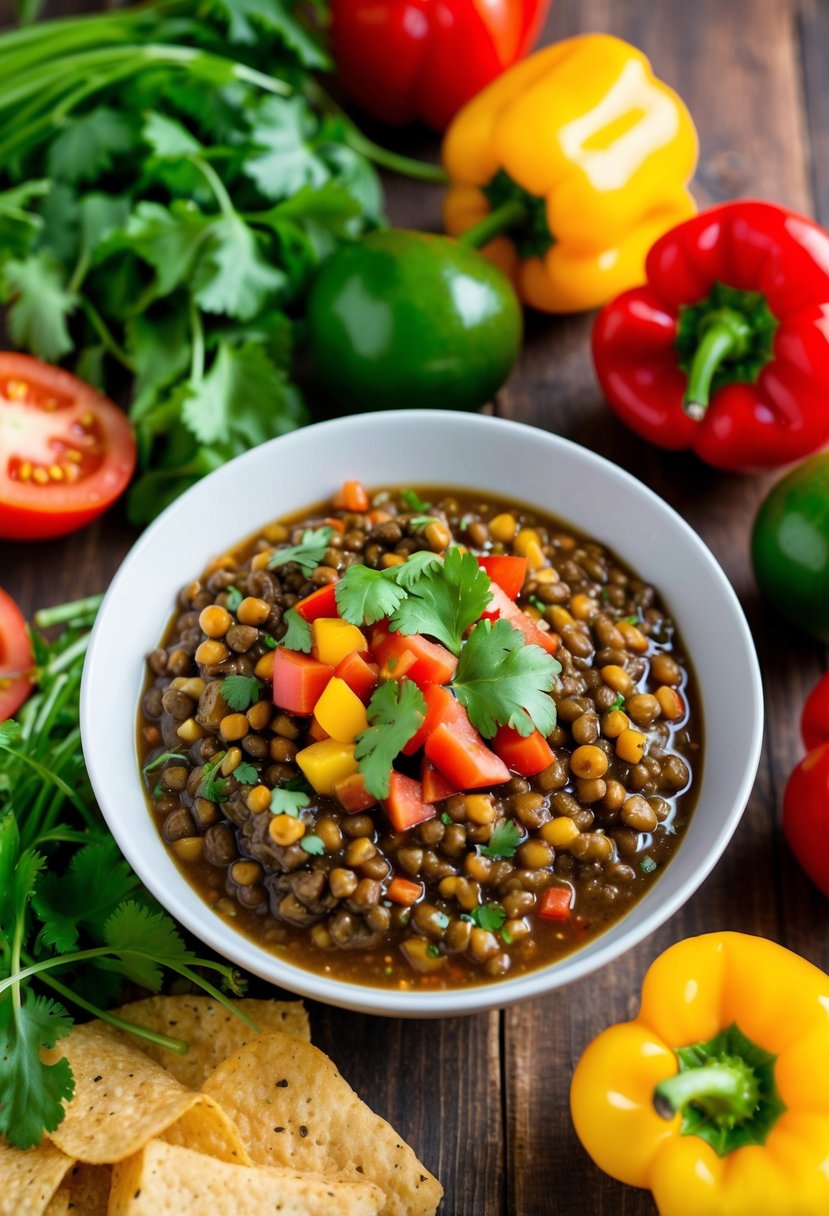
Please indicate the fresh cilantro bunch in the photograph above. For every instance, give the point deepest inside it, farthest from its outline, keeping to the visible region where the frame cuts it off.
(171, 177)
(75, 921)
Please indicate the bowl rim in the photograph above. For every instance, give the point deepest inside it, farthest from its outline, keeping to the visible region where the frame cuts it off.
(243, 951)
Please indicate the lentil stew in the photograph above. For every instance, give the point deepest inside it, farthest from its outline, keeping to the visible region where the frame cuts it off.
(467, 882)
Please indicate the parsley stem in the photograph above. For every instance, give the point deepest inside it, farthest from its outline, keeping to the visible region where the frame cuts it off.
(61, 613)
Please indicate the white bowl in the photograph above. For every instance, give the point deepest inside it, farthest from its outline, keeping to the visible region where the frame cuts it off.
(416, 448)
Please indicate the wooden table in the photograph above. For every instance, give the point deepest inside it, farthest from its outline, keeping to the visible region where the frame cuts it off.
(484, 1099)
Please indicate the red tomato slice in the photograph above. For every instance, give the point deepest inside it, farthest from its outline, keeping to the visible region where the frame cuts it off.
(15, 656)
(66, 452)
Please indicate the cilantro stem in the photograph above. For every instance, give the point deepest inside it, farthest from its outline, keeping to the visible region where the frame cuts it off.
(61, 613)
(406, 166)
(97, 322)
(54, 779)
(197, 343)
(216, 185)
(141, 1032)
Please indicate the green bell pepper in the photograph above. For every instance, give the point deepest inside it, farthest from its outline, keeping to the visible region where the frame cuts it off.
(790, 546)
(402, 318)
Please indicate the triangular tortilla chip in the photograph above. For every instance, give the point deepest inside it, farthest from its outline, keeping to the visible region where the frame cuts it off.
(293, 1108)
(30, 1177)
(166, 1181)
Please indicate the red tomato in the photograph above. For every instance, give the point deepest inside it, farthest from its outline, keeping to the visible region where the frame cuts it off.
(66, 452)
(15, 656)
(814, 721)
(806, 815)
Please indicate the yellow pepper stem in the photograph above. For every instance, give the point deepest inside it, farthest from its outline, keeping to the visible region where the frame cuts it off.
(726, 1091)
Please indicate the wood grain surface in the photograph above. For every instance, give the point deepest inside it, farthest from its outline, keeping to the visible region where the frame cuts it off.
(484, 1100)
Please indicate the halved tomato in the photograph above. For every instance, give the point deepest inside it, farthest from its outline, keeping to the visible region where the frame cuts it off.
(15, 657)
(66, 452)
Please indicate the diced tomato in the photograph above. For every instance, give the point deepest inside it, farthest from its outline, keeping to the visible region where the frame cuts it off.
(436, 787)
(508, 572)
(337, 524)
(555, 903)
(352, 795)
(360, 676)
(298, 680)
(404, 891)
(320, 603)
(351, 497)
(440, 705)
(434, 663)
(66, 452)
(526, 755)
(404, 805)
(397, 666)
(519, 619)
(16, 657)
(462, 756)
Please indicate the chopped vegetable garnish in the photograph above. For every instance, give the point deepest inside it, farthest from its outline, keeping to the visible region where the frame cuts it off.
(240, 692)
(647, 865)
(504, 682)
(162, 759)
(298, 635)
(312, 844)
(308, 554)
(488, 916)
(504, 840)
(285, 801)
(395, 713)
(245, 773)
(445, 600)
(213, 788)
(365, 596)
(234, 598)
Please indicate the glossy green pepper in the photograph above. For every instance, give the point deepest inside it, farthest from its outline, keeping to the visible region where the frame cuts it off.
(790, 546)
(402, 318)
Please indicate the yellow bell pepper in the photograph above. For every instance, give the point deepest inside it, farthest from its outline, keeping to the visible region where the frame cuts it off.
(717, 1095)
(327, 762)
(333, 639)
(340, 712)
(567, 168)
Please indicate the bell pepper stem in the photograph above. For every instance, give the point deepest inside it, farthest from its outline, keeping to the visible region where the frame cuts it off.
(514, 211)
(406, 166)
(726, 1090)
(726, 335)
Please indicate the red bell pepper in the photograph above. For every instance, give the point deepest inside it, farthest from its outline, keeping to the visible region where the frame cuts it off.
(555, 903)
(726, 349)
(806, 815)
(403, 60)
(461, 755)
(814, 721)
(440, 706)
(508, 572)
(352, 795)
(298, 681)
(359, 675)
(524, 754)
(519, 620)
(404, 891)
(320, 603)
(436, 787)
(405, 805)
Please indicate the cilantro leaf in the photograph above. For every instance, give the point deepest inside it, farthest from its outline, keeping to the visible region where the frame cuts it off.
(94, 884)
(162, 759)
(211, 787)
(32, 1092)
(395, 713)
(289, 802)
(447, 598)
(298, 634)
(489, 916)
(246, 773)
(87, 147)
(414, 502)
(233, 276)
(40, 305)
(504, 840)
(167, 238)
(144, 941)
(240, 692)
(233, 598)
(408, 572)
(308, 554)
(284, 129)
(618, 703)
(249, 18)
(312, 844)
(364, 596)
(168, 137)
(502, 681)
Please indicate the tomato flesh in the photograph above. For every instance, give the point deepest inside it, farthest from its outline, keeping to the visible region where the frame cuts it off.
(15, 657)
(66, 452)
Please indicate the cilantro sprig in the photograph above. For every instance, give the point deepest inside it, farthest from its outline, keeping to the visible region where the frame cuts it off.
(502, 681)
(308, 553)
(395, 713)
(504, 840)
(240, 692)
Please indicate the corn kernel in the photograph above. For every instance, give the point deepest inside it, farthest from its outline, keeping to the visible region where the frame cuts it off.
(190, 731)
(613, 723)
(503, 527)
(559, 832)
(528, 544)
(189, 848)
(232, 760)
(635, 640)
(233, 726)
(583, 607)
(437, 536)
(214, 621)
(264, 668)
(259, 715)
(258, 799)
(670, 702)
(253, 611)
(560, 617)
(260, 561)
(479, 808)
(210, 653)
(391, 559)
(617, 678)
(285, 830)
(630, 746)
(588, 761)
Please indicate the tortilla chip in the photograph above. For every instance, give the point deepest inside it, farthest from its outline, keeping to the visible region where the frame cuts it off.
(167, 1181)
(59, 1204)
(30, 1177)
(293, 1108)
(87, 1187)
(212, 1031)
(123, 1099)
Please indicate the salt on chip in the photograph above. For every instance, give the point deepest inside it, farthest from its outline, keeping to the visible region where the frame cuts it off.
(293, 1108)
(123, 1099)
(87, 1188)
(30, 1177)
(164, 1181)
(212, 1031)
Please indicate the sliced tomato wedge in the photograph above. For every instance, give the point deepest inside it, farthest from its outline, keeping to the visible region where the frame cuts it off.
(66, 452)
(16, 657)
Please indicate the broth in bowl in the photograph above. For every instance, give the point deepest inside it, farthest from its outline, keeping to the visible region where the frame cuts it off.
(420, 738)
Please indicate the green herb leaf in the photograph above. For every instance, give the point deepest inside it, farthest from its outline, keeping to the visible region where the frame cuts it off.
(162, 759)
(419, 522)
(308, 554)
(233, 598)
(447, 598)
(211, 787)
(87, 146)
(298, 634)
(647, 865)
(32, 1093)
(365, 596)
(433, 950)
(312, 844)
(96, 881)
(246, 773)
(272, 643)
(489, 916)
(144, 942)
(40, 305)
(288, 802)
(446, 818)
(240, 692)
(395, 713)
(618, 703)
(407, 573)
(501, 681)
(504, 840)
(284, 129)
(414, 502)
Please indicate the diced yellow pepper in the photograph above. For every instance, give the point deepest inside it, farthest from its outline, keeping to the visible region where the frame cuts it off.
(340, 712)
(334, 639)
(326, 763)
